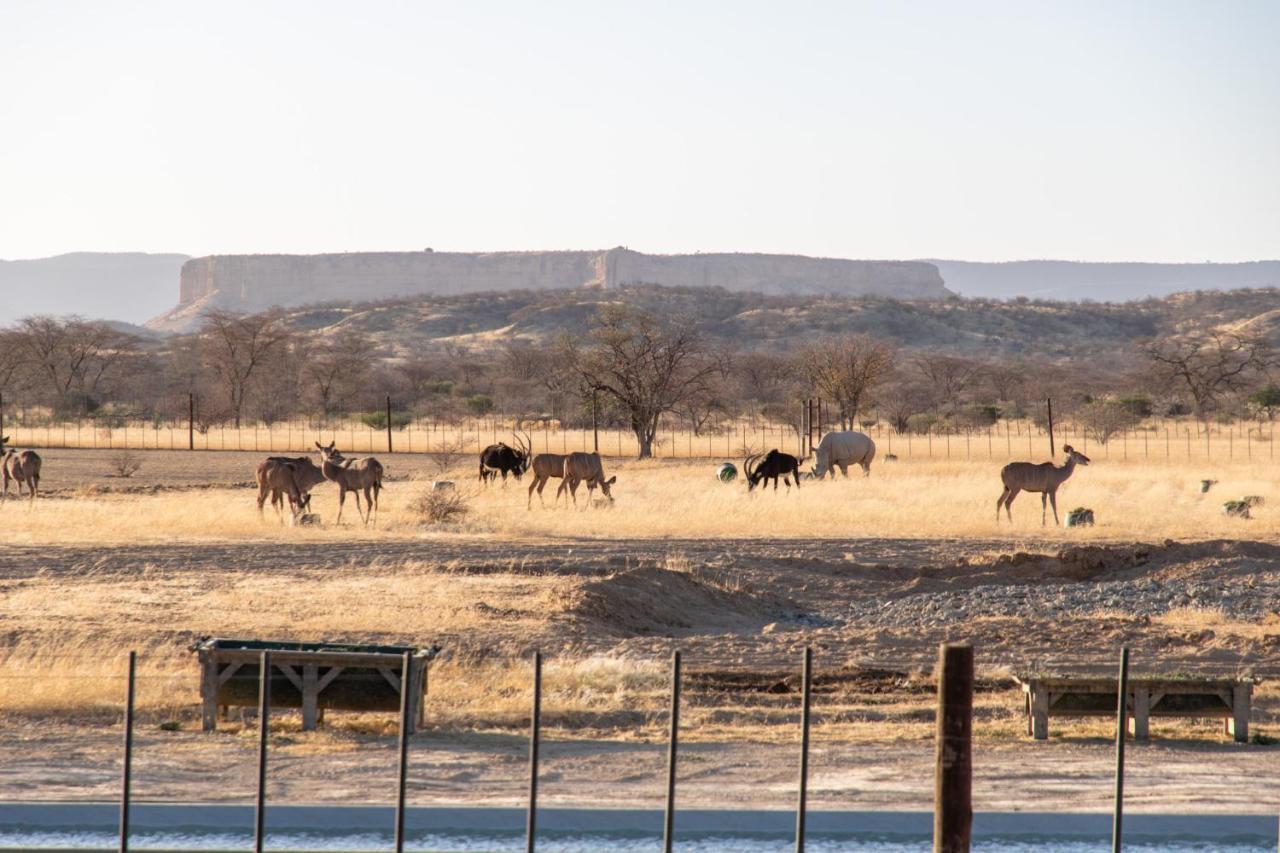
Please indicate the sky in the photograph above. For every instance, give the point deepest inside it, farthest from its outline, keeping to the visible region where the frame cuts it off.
(1102, 131)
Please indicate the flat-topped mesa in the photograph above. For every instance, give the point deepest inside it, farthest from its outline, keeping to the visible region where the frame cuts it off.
(257, 282)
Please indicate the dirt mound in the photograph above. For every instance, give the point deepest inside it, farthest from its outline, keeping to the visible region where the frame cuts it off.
(653, 600)
(1111, 562)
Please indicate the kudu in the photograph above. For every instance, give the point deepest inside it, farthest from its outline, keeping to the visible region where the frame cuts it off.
(544, 467)
(20, 465)
(504, 459)
(1044, 478)
(291, 477)
(771, 466)
(585, 468)
(352, 475)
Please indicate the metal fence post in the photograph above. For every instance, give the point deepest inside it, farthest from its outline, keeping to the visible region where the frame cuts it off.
(668, 835)
(126, 772)
(1122, 688)
(802, 802)
(406, 724)
(264, 714)
(535, 732)
(953, 784)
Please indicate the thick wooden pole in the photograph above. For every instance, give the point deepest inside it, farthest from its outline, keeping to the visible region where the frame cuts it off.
(1122, 689)
(595, 421)
(535, 733)
(406, 726)
(264, 715)
(668, 825)
(953, 791)
(191, 421)
(802, 801)
(126, 772)
(1052, 451)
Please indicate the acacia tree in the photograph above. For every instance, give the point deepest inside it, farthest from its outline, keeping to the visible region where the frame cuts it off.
(846, 370)
(949, 376)
(337, 366)
(1211, 365)
(1103, 419)
(648, 368)
(239, 348)
(72, 358)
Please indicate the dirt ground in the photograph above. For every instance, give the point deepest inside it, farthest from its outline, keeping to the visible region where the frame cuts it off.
(608, 612)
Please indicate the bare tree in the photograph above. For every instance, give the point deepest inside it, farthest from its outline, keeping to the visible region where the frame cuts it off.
(1103, 419)
(902, 399)
(239, 348)
(647, 367)
(72, 358)
(949, 376)
(336, 366)
(1210, 365)
(846, 371)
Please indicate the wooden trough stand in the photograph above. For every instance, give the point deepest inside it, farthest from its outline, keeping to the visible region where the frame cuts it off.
(310, 676)
(1229, 698)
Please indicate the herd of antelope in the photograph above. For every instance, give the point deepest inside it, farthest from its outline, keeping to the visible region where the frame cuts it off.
(291, 479)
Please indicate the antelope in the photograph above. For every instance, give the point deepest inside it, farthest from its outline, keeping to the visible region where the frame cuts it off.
(278, 473)
(352, 475)
(842, 449)
(770, 467)
(545, 466)
(20, 465)
(503, 458)
(584, 467)
(1044, 478)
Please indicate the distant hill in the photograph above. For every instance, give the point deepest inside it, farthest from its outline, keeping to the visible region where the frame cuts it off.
(1109, 282)
(129, 287)
(753, 320)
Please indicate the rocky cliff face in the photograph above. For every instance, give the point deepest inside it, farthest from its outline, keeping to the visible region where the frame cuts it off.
(257, 282)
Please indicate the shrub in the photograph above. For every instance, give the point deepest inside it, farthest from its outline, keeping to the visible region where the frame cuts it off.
(378, 420)
(444, 506)
(126, 463)
(479, 404)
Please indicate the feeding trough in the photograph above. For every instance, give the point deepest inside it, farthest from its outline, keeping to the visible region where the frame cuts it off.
(727, 472)
(313, 677)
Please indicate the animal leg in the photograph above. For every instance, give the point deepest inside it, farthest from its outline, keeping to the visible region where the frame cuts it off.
(1000, 502)
(796, 473)
(866, 468)
(1053, 501)
(1044, 507)
(532, 486)
(844, 469)
(1008, 503)
(564, 484)
(342, 500)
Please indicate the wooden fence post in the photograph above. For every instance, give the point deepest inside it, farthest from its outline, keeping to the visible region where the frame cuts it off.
(1052, 451)
(953, 788)
(389, 423)
(264, 716)
(406, 726)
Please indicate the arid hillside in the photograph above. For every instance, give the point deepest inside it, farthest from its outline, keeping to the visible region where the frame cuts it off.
(1053, 329)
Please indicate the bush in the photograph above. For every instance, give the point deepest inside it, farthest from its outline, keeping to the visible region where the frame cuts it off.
(479, 404)
(446, 506)
(378, 420)
(126, 463)
(1138, 405)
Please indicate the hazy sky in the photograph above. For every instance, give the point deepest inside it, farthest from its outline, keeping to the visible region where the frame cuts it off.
(990, 131)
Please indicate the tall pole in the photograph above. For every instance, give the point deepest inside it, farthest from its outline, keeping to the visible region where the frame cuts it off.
(388, 423)
(264, 714)
(1052, 451)
(535, 733)
(1122, 689)
(802, 802)
(668, 825)
(595, 420)
(953, 785)
(126, 773)
(406, 670)
(191, 421)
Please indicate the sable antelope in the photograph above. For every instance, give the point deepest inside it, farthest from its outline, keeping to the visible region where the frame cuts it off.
(352, 475)
(1044, 478)
(20, 465)
(842, 449)
(771, 466)
(276, 473)
(503, 458)
(584, 468)
(545, 466)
